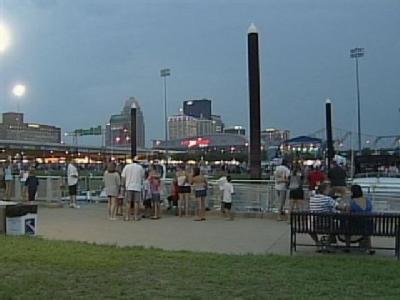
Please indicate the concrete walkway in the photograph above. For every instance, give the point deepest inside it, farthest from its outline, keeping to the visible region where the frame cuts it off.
(241, 236)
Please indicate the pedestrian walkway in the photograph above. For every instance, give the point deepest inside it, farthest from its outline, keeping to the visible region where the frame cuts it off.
(241, 236)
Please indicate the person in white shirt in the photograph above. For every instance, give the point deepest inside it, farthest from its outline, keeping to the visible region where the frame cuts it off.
(281, 174)
(228, 191)
(132, 178)
(221, 182)
(72, 181)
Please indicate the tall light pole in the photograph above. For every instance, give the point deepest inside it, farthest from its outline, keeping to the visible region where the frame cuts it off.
(357, 53)
(5, 37)
(19, 91)
(164, 74)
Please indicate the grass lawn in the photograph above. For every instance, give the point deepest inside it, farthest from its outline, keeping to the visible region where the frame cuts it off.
(32, 268)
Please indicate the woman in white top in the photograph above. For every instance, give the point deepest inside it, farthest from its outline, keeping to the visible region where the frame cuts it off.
(112, 183)
(8, 178)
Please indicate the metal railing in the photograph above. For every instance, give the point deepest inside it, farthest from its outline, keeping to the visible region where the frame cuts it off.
(251, 196)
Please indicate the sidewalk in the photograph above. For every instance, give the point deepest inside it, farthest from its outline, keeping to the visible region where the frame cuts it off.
(241, 236)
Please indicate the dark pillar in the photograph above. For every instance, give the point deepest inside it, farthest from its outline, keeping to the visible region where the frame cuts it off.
(254, 93)
(330, 153)
(133, 132)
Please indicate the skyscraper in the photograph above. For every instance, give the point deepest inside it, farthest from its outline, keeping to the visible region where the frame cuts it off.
(200, 109)
(118, 130)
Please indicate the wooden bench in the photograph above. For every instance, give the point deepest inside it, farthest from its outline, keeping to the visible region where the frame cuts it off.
(345, 224)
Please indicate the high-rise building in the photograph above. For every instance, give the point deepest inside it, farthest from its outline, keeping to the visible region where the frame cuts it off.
(217, 124)
(240, 130)
(118, 131)
(200, 109)
(274, 137)
(181, 126)
(14, 128)
(196, 120)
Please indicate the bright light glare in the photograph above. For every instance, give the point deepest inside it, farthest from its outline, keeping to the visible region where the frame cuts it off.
(5, 39)
(19, 90)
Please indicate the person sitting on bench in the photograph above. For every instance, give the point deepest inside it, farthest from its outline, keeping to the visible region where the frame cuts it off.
(360, 204)
(321, 202)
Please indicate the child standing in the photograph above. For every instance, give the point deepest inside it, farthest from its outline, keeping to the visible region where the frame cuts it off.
(227, 198)
(146, 196)
(32, 183)
(155, 188)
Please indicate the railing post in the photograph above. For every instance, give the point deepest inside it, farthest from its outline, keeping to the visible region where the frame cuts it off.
(17, 189)
(48, 197)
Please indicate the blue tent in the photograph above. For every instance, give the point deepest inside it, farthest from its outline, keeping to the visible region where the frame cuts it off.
(301, 140)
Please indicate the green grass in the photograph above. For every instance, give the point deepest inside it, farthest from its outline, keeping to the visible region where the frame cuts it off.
(32, 268)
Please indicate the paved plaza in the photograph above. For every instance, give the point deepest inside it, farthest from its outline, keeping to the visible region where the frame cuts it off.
(241, 236)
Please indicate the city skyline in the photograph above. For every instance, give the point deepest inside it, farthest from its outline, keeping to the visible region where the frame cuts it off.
(115, 50)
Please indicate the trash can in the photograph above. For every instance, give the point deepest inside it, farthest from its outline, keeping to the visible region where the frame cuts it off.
(3, 205)
(21, 219)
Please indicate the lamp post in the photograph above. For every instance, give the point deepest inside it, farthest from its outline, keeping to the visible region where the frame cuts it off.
(164, 73)
(5, 39)
(19, 91)
(356, 53)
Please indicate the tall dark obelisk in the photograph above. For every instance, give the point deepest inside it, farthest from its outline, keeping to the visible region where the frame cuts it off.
(330, 151)
(254, 93)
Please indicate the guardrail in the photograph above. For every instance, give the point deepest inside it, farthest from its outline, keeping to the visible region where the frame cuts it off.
(251, 196)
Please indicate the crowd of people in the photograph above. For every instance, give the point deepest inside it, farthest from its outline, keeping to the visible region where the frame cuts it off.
(29, 183)
(317, 191)
(135, 192)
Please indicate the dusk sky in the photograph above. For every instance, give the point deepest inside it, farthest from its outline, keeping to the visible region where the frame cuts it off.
(81, 59)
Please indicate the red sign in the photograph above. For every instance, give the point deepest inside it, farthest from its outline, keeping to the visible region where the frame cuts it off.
(199, 142)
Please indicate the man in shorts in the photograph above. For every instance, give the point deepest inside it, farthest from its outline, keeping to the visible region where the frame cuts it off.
(132, 179)
(281, 175)
(72, 180)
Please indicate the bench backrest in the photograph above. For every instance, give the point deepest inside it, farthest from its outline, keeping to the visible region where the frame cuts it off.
(374, 224)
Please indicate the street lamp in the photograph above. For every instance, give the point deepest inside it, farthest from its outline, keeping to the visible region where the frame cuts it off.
(5, 37)
(19, 91)
(357, 53)
(164, 73)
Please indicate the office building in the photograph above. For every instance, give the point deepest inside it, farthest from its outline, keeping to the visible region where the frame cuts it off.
(200, 109)
(14, 128)
(181, 126)
(240, 130)
(118, 130)
(274, 137)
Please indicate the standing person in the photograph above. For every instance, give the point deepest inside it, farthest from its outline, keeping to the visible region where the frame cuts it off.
(23, 176)
(112, 184)
(281, 176)
(32, 183)
(72, 180)
(146, 196)
(2, 183)
(173, 198)
(132, 178)
(337, 177)
(315, 178)
(8, 178)
(227, 197)
(199, 183)
(221, 183)
(182, 178)
(296, 193)
(155, 188)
